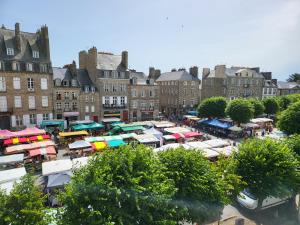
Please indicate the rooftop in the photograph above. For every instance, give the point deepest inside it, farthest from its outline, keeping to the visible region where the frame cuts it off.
(181, 75)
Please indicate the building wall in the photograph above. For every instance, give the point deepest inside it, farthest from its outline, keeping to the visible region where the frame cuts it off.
(89, 106)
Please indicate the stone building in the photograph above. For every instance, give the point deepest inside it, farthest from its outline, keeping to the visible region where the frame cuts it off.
(231, 83)
(286, 88)
(110, 74)
(144, 97)
(270, 85)
(25, 78)
(179, 91)
(75, 95)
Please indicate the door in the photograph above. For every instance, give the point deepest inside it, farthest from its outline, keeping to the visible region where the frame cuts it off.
(4, 122)
(125, 115)
(95, 119)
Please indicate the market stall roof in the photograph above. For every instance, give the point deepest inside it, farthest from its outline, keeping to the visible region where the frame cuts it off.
(75, 133)
(39, 137)
(132, 128)
(195, 118)
(163, 124)
(115, 143)
(94, 139)
(169, 137)
(216, 123)
(261, 120)
(79, 144)
(56, 166)
(111, 119)
(52, 122)
(50, 150)
(11, 159)
(112, 137)
(79, 162)
(171, 146)
(227, 151)
(98, 145)
(189, 116)
(129, 135)
(15, 141)
(192, 134)
(91, 126)
(174, 130)
(198, 145)
(250, 125)
(208, 153)
(193, 112)
(146, 138)
(4, 134)
(215, 143)
(25, 147)
(9, 177)
(153, 131)
(178, 135)
(59, 179)
(235, 129)
(117, 123)
(29, 132)
(81, 122)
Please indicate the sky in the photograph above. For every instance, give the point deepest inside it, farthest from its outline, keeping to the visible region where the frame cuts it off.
(168, 34)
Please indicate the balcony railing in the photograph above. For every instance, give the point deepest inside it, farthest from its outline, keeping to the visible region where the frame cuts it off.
(114, 106)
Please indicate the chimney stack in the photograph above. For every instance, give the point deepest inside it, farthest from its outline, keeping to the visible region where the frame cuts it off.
(205, 72)
(45, 41)
(151, 72)
(157, 74)
(220, 70)
(125, 59)
(173, 70)
(18, 36)
(194, 71)
(72, 67)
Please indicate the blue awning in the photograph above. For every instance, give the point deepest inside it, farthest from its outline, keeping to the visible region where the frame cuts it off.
(115, 143)
(216, 123)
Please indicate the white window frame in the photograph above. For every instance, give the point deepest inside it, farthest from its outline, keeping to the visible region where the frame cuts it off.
(3, 104)
(31, 102)
(45, 101)
(106, 100)
(44, 84)
(92, 108)
(19, 120)
(45, 116)
(58, 105)
(32, 118)
(115, 100)
(35, 54)
(122, 100)
(28, 66)
(43, 68)
(10, 51)
(87, 109)
(17, 83)
(86, 98)
(30, 84)
(2, 84)
(18, 101)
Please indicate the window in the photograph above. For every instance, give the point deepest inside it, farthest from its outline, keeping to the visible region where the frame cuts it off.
(74, 105)
(106, 74)
(45, 116)
(74, 96)
(115, 101)
(143, 93)
(44, 101)
(232, 81)
(3, 104)
(274, 91)
(58, 105)
(185, 83)
(114, 88)
(93, 89)
(65, 83)
(87, 109)
(92, 99)
(106, 87)
(66, 95)
(192, 102)
(122, 75)
(18, 102)
(265, 91)
(193, 83)
(31, 102)
(134, 104)
(32, 118)
(106, 100)
(86, 89)
(115, 74)
(150, 93)
(30, 84)
(28, 66)
(67, 105)
(16, 66)
(44, 83)
(1, 65)
(10, 51)
(35, 54)
(92, 108)
(122, 100)
(17, 83)
(43, 68)
(133, 93)
(19, 120)
(2, 84)
(58, 95)
(86, 98)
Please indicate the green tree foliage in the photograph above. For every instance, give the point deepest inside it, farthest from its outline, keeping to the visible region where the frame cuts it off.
(289, 120)
(212, 107)
(122, 186)
(294, 143)
(294, 77)
(240, 110)
(285, 100)
(271, 105)
(24, 205)
(258, 107)
(200, 189)
(3, 209)
(268, 167)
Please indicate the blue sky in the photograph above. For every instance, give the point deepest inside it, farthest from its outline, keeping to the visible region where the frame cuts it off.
(169, 34)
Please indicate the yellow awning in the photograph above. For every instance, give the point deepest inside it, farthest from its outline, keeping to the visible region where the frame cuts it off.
(99, 145)
(195, 118)
(75, 133)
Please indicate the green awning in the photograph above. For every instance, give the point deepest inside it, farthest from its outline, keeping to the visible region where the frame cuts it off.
(92, 126)
(132, 128)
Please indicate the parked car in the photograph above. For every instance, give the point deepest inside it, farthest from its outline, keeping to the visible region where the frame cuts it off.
(250, 201)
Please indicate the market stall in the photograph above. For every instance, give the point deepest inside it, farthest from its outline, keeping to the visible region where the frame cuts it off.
(11, 161)
(172, 146)
(115, 143)
(99, 145)
(174, 130)
(79, 148)
(168, 139)
(26, 147)
(192, 136)
(226, 151)
(68, 137)
(216, 143)
(51, 125)
(129, 137)
(148, 139)
(9, 177)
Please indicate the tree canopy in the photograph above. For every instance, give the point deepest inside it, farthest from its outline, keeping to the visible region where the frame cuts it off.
(294, 77)
(240, 110)
(24, 205)
(289, 120)
(258, 107)
(294, 143)
(285, 100)
(122, 186)
(271, 105)
(212, 107)
(194, 176)
(268, 167)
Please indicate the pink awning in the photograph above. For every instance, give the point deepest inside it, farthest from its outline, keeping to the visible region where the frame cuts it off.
(26, 147)
(4, 134)
(29, 132)
(15, 141)
(50, 150)
(192, 134)
(178, 135)
(39, 137)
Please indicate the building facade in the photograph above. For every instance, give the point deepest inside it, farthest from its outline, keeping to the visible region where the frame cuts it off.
(286, 88)
(270, 88)
(110, 74)
(179, 91)
(75, 95)
(144, 97)
(25, 78)
(231, 83)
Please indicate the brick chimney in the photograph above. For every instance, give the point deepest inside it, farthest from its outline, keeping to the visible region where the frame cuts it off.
(157, 74)
(83, 59)
(220, 70)
(194, 71)
(173, 70)
(45, 41)
(205, 72)
(125, 59)
(151, 72)
(72, 67)
(18, 36)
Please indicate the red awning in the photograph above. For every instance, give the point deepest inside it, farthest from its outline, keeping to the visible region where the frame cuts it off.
(39, 137)
(14, 141)
(192, 134)
(178, 135)
(50, 150)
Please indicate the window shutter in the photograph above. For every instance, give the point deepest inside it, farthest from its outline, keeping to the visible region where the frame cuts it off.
(45, 101)
(44, 84)
(31, 101)
(2, 84)
(16, 83)
(3, 104)
(13, 121)
(26, 120)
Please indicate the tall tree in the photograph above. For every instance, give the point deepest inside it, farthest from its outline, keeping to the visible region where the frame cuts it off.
(122, 186)
(294, 77)
(212, 107)
(3, 208)
(25, 204)
(240, 110)
(293, 142)
(199, 188)
(258, 107)
(271, 105)
(268, 167)
(289, 120)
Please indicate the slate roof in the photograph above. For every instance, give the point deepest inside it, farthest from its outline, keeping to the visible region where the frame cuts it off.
(177, 75)
(108, 61)
(287, 85)
(231, 72)
(59, 73)
(140, 76)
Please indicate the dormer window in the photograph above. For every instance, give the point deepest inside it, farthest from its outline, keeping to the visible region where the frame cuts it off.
(106, 74)
(35, 54)
(93, 89)
(86, 89)
(134, 80)
(74, 82)
(43, 68)
(65, 83)
(10, 51)
(28, 66)
(16, 66)
(57, 82)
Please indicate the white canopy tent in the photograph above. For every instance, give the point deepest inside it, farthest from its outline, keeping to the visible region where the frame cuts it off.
(227, 151)
(111, 119)
(216, 143)
(198, 145)
(56, 166)
(79, 162)
(9, 177)
(261, 120)
(7, 159)
(174, 130)
(146, 138)
(170, 146)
